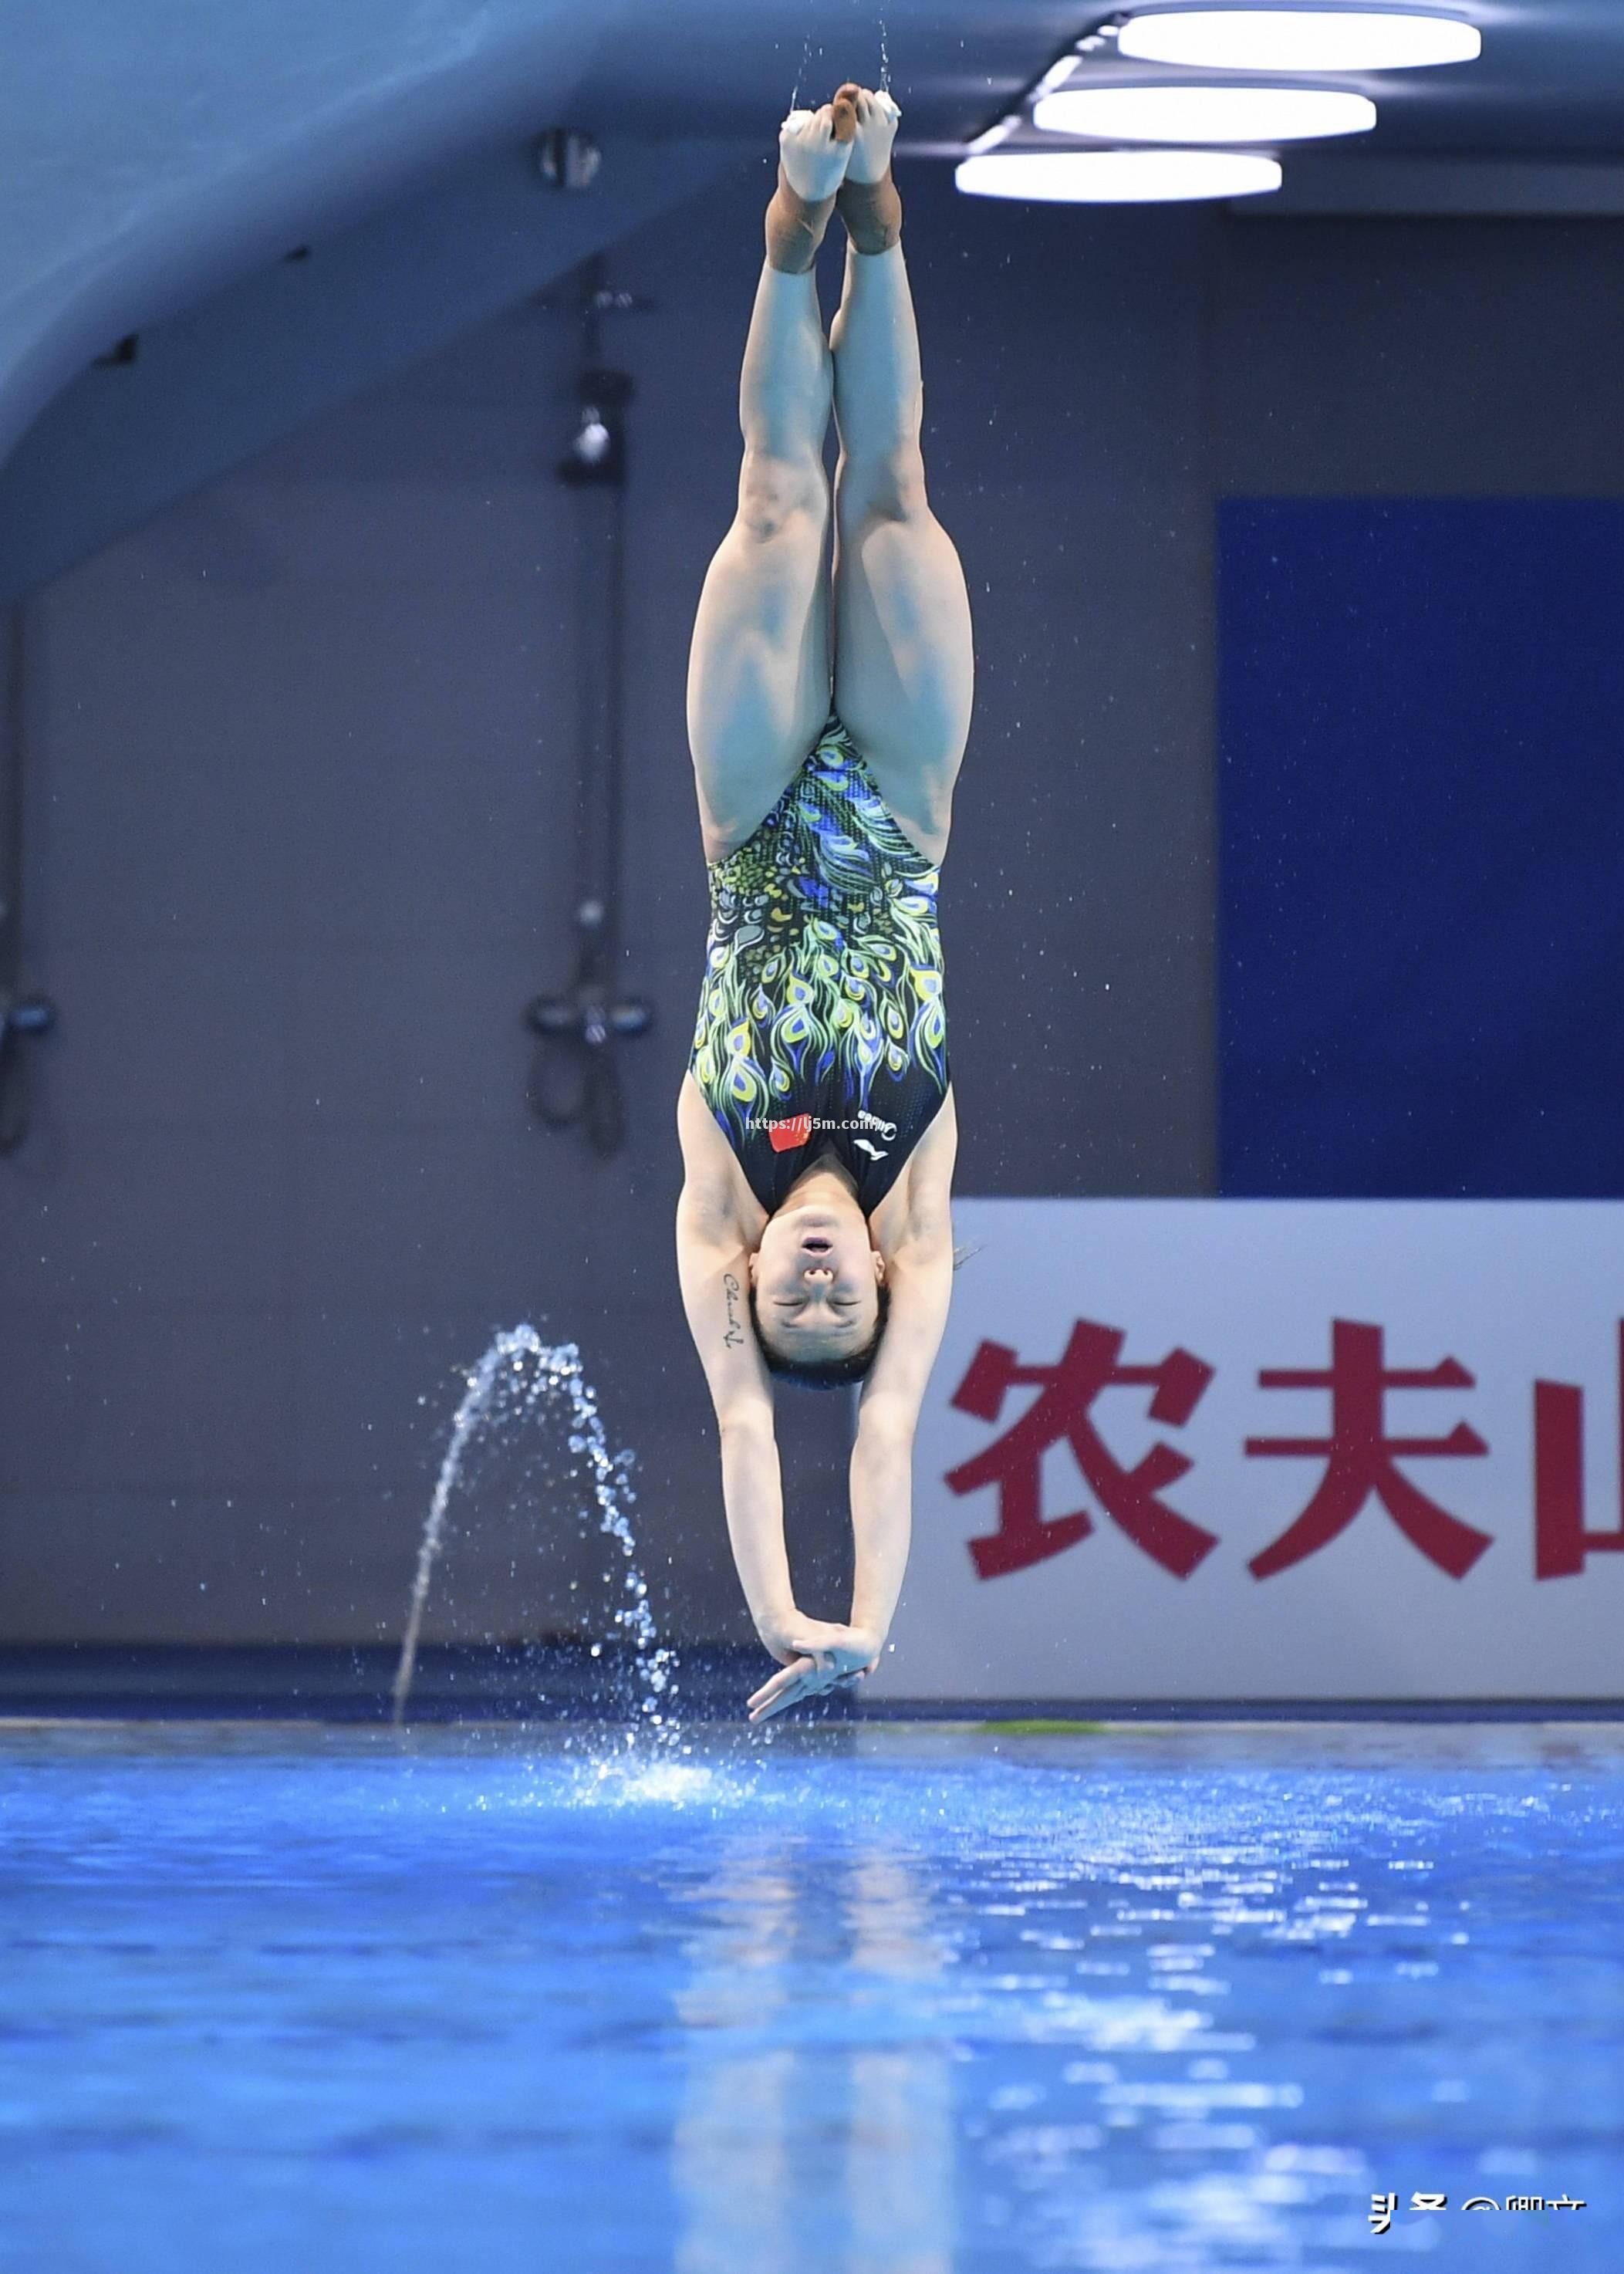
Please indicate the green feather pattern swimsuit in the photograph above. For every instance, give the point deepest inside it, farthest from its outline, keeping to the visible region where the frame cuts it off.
(822, 1022)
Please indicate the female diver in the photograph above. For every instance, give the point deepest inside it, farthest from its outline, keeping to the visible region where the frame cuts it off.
(815, 1118)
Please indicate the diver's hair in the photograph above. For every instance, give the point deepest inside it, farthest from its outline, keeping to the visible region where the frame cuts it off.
(825, 1373)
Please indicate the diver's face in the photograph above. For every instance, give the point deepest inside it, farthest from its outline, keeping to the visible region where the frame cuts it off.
(816, 1281)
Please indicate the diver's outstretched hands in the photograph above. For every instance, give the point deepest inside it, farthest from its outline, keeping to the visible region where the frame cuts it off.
(827, 1657)
(848, 1650)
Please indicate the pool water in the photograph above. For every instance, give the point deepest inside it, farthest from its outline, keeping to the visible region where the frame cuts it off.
(880, 1996)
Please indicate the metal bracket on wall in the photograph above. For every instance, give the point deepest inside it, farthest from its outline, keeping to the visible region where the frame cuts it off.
(24, 1016)
(575, 1079)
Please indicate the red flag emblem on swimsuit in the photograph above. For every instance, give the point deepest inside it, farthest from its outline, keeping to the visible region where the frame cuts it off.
(786, 1135)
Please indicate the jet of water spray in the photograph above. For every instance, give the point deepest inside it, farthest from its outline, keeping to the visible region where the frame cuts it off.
(800, 72)
(520, 1373)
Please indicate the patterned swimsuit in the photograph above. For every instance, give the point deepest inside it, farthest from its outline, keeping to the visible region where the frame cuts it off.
(821, 1023)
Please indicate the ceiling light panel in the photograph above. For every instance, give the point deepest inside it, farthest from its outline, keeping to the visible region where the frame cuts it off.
(1204, 114)
(1116, 177)
(1298, 39)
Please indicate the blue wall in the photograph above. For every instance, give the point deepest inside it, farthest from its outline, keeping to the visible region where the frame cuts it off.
(1421, 731)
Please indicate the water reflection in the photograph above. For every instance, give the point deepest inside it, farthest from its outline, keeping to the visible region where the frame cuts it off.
(1162, 2015)
(1156, 2005)
(793, 2123)
(900, 2157)
(730, 2145)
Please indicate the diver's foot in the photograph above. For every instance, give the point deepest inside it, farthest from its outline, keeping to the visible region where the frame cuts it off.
(877, 116)
(812, 152)
(867, 199)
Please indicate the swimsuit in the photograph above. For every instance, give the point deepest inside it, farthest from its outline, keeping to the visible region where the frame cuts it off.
(821, 1024)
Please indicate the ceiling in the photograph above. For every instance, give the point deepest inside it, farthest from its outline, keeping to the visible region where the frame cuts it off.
(1550, 79)
(155, 150)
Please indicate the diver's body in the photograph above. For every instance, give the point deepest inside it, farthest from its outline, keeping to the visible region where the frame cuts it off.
(816, 1118)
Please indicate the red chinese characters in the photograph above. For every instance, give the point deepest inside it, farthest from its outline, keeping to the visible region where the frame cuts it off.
(1014, 1463)
(1560, 1540)
(1360, 1459)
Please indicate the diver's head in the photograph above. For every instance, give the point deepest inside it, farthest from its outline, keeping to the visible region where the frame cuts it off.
(817, 1293)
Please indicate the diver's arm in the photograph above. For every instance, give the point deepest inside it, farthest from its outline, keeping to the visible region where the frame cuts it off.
(916, 1237)
(920, 1279)
(714, 1275)
(713, 1266)
(919, 1249)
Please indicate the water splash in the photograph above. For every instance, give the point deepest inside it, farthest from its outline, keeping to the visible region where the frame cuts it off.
(619, 1781)
(801, 69)
(519, 1378)
(805, 65)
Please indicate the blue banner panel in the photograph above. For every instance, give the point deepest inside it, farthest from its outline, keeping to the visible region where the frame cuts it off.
(1421, 800)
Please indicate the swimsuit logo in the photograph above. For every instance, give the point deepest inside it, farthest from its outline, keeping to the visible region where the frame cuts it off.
(783, 1136)
(873, 1151)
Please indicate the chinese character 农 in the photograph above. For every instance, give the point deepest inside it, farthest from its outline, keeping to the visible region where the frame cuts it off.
(1566, 2203)
(1381, 2210)
(1360, 1459)
(1427, 2203)
(1088, 1365)
(1560, 1541)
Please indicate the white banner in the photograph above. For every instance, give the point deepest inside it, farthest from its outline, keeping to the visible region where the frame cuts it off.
(1237, 1450)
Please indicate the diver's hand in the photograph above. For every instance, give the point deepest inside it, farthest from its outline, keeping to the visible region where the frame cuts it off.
(847, 1650)
(827, 1657)
(799, 1680)
(775, 1634)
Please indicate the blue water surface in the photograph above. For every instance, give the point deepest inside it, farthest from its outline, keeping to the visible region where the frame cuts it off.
(933, 2000)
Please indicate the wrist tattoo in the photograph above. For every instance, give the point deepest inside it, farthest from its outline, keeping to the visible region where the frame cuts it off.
(730, 1296)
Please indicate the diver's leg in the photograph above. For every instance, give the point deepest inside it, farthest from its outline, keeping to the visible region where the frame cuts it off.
(904, 667)
(758, 669)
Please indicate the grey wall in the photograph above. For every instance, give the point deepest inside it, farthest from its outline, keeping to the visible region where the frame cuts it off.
(301, 778)
(233, 373)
